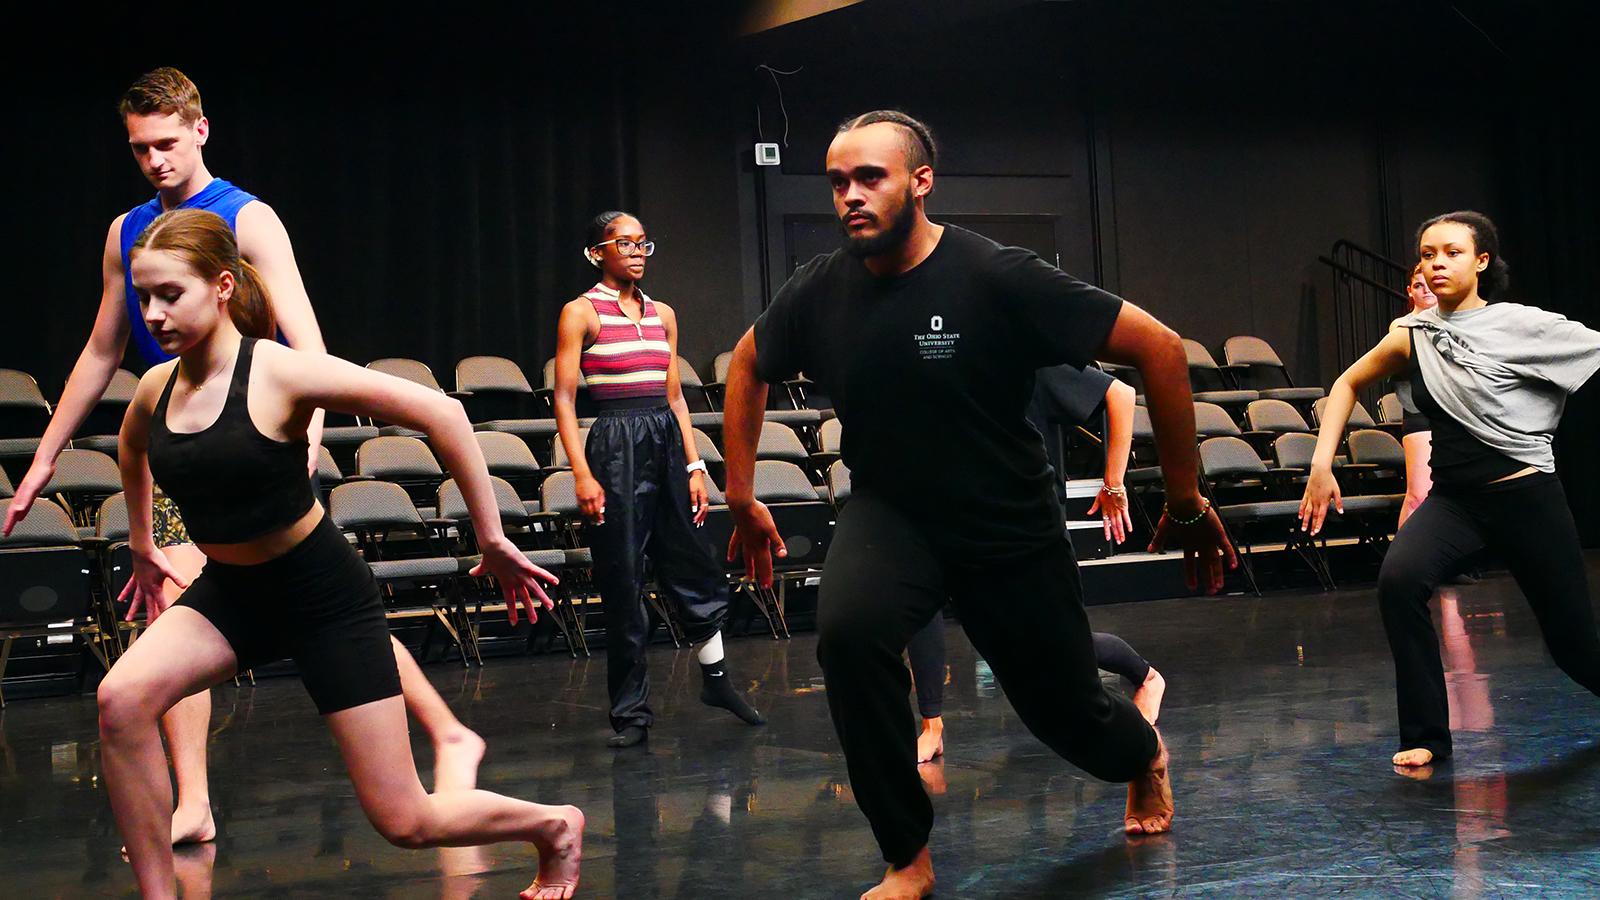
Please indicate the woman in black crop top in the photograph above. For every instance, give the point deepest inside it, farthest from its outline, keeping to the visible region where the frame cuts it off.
(1492, 381)
(224, 425)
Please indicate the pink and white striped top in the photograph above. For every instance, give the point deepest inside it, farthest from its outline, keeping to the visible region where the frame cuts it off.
(628, 359)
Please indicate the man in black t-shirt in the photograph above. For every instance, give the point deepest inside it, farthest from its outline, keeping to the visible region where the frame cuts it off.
(927, 337)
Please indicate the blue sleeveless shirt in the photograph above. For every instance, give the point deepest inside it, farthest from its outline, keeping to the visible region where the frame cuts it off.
(219, 197)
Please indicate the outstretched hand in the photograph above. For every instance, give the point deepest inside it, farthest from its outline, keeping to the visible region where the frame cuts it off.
(145, 590)
(1322, 490)
(1205, 545)
(28, 490)
(756, 537)
(519, 579)
(1114, 514)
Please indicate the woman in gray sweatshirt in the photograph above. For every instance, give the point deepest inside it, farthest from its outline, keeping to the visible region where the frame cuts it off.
(1492, 380)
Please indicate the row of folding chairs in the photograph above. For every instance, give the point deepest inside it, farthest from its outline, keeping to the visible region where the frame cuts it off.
(1259, 499)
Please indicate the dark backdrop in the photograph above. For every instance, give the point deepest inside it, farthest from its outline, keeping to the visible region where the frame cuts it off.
(435, 175)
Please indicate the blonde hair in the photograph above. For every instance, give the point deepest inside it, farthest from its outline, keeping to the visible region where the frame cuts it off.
(207, 244)
(164, 91)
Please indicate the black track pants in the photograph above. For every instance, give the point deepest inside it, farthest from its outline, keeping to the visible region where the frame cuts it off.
(1528, 524)
(882, 582)
(637, 456)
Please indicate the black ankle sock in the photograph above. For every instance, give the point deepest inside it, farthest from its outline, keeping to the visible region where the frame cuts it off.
(718, 691)
(628, 737)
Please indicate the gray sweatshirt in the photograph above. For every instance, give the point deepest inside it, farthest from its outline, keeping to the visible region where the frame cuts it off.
(1504, 372)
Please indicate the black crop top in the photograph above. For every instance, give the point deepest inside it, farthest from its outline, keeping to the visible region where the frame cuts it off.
(231, 482)
(1457, 457)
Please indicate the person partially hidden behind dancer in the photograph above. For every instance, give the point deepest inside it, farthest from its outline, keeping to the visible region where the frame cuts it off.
(1493, 379)
(639, 478)
(927, 337)
(223, 428)
(1061, 394)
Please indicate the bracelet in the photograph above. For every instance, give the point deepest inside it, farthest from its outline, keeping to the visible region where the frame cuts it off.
(698, 465)
(1205, 507)
(1114, 491)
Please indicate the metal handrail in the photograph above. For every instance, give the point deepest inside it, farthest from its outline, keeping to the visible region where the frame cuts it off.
(1366, 289)
(1346, 270)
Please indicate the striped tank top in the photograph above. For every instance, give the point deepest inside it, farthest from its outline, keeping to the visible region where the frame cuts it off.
(628, 360)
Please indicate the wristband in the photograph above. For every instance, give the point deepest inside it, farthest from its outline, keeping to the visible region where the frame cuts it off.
(1205, 507)
(698, 465)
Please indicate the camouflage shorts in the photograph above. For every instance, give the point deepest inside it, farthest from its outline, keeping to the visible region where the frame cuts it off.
(165, 523)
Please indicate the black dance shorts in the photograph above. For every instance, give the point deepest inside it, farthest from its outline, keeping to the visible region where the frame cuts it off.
(318, 605)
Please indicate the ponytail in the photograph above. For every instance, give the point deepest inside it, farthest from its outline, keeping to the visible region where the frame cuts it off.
(250, 307)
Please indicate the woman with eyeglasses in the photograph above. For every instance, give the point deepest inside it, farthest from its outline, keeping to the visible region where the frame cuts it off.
(641, 484)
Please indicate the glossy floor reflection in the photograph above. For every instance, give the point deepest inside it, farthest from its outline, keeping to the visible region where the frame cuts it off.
(1279, 715)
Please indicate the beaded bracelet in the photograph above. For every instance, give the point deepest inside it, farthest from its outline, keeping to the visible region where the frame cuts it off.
(1205, 507)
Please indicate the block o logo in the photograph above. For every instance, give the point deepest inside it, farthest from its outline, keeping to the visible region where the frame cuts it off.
(936, 323)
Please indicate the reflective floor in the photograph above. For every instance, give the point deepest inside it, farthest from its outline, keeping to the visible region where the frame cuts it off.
(1279, 714)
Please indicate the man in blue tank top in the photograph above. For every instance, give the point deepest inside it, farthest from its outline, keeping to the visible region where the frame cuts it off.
(167, 130)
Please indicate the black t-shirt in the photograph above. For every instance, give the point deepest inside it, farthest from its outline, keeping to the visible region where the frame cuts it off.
(931, 372)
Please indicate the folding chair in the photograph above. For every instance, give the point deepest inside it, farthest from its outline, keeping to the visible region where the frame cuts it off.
(1359, 417)
(806, 520)
(374, 511)
(1390, 413)
(24, 414)
(694, 390)
(329, 475)
(404, 461)
(839, 484)
(100, 430)
(1210, 382)
(582, 400)
(83, 479)
(1211, 420)
(716, 391)
(1255, 365)
(711, 454)
(498, 397)
(45, 587)
(6, 490)
(513, 512)
(508, 457)
(779, 442)
(1374, 485)
(830, 439)
(559, 496)
(1268, 419)
(414, 371)
(1231, 469)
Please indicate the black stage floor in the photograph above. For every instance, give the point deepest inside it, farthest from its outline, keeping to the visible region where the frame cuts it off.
(1280, 716)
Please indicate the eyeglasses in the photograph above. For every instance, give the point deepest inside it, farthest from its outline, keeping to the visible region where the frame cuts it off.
(627, 247)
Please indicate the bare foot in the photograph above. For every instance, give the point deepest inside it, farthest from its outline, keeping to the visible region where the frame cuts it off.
(560, 845)
(1150, 797)
(193, 825)
(930, 743)
(913, 882)
(1421, 756)
(455, 760)
(1148, 696)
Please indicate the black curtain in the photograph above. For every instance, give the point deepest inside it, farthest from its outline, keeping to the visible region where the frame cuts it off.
(435, 179)
(1552, 237)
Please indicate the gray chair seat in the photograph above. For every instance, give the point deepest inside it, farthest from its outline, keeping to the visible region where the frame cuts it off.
(794, 417)
(18, 446)
(1293, 394)
(523, 428)
(105, 443)
(402, 431)
(1266, 509)
(547, 559)
(428, 567)
(1226, 397)
(348, 434)
(1367, 503)
(579, 557)
(706, 419)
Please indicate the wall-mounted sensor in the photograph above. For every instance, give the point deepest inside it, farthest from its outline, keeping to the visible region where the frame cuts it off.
(766, 154)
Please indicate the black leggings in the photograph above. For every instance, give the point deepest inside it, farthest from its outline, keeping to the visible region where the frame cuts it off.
(1527, 523)
(637, 456)
(883, 580)
(926, 652)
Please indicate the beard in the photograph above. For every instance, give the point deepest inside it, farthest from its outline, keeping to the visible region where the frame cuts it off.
(890, 238)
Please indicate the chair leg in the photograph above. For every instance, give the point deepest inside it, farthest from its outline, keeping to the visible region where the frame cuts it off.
(674, 631)
(5, 657)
